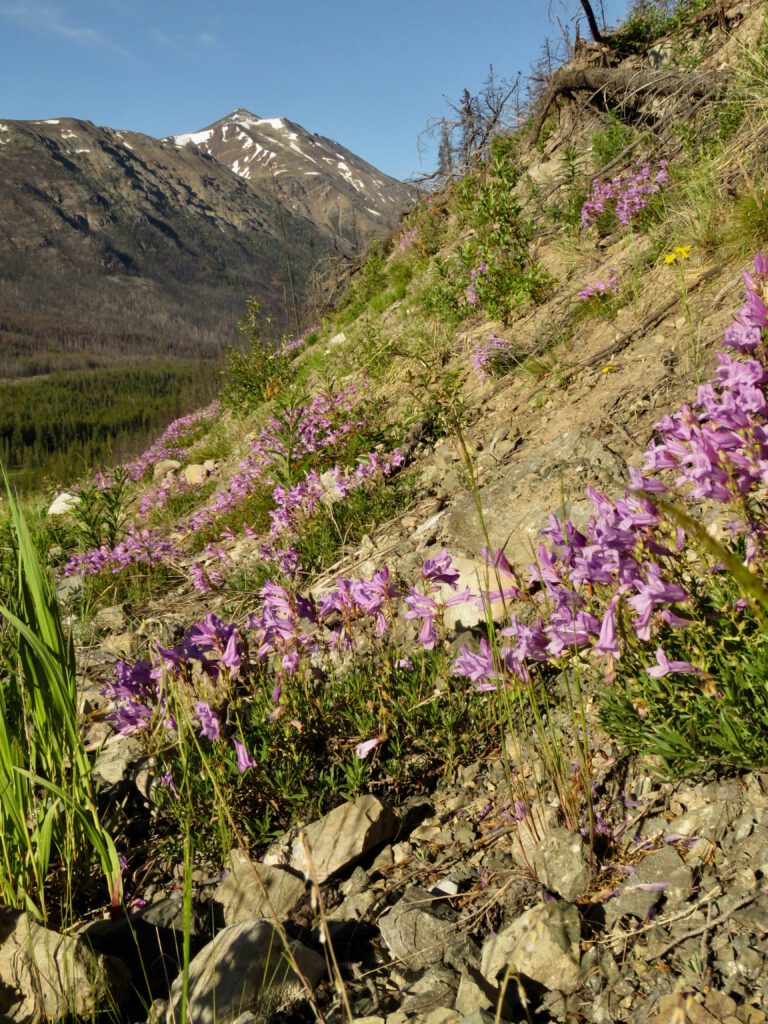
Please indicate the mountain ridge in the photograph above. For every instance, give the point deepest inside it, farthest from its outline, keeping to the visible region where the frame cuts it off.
(109, 232)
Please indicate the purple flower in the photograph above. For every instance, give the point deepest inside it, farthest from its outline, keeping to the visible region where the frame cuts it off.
(244, 759)
(363, 749)
(664, 666)
(421, 606)
(607, 642)
(440, 570)
(208, 719)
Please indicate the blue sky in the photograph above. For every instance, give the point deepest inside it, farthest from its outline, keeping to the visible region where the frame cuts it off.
(368, 75)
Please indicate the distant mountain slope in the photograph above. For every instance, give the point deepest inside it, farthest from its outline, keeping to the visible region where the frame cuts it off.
(316, 177)
(116, 244)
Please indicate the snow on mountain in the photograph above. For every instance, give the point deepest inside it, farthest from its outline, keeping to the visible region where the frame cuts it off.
(313, 175)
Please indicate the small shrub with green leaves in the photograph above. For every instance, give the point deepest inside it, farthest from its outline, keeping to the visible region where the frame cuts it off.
(501, 273)
(258, 374)
(609, 141)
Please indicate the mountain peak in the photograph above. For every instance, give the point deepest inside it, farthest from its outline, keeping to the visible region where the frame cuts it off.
(315, 177)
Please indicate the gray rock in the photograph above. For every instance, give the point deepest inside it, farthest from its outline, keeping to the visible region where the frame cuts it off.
(111, 619)
(257, 890)
(479, 1017)
(543, 943)
(69, 589)
(195, 474)
(343, 836)
(164, 467)
(561, 863)
(47, 976)
(245, 967)
(418, 930)
(665, 867)
(474, 993)
(436, 987)
(539, 478)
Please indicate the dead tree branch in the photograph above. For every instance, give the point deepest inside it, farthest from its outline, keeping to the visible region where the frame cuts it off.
(627, 88)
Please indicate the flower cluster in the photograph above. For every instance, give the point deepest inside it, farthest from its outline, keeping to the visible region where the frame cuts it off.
(210, 656)
(600, 288)
(139, 547)
(170, 444)
(480, 272)
(625, 566)
(626, 196)
(157, 497)
(679, 254)
(493, 358)
(408, 238)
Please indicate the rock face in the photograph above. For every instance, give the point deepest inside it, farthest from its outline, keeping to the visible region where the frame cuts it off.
(342, 837)
(543, 944)
(416, 931)
(561, 862)
(245, 968)
(257, 890)
(47, 976)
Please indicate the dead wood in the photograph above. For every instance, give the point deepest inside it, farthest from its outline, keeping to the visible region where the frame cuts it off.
(627, 88)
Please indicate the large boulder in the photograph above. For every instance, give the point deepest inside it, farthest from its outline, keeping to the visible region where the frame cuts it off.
(45, 976)
(257, 890)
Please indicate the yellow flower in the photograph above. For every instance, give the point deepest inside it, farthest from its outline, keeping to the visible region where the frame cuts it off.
(670, 258)
(683, 251)
(608, 369)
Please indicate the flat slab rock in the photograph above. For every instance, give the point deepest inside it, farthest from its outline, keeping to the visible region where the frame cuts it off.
(543, 943)
(245, 967)
(253, 890)
(342, 837)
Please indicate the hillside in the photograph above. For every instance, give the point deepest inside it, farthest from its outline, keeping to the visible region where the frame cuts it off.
(432, 657)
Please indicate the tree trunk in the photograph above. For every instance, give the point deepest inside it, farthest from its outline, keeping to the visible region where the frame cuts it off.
(592, 21)
(625, 87)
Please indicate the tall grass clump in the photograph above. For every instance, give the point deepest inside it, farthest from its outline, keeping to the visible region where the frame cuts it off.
(51, 835)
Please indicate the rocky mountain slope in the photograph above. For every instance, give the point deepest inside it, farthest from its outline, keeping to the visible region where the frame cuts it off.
(368, 769)
(315, 177)
(115, 242)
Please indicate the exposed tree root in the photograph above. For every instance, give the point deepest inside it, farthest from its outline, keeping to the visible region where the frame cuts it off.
(627, 88)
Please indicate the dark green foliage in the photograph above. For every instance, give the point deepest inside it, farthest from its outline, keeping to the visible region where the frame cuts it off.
(650, 19)
(692, 723)
(609, 141)
(347, 522)
(59, 427)
(259, 373)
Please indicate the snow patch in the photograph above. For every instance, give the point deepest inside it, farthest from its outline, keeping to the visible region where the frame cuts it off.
(196, 138)
(312, 174)
(273, 122)
(224, 130)
(356, 183)
(297, 149)
(51, 120)
(374, 212)
(83, 150)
